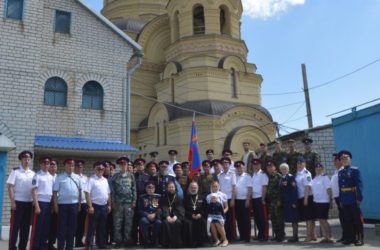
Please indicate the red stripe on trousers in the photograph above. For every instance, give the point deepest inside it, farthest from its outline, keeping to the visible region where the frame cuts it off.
(266, 223)
(13, 214)
(33, 234)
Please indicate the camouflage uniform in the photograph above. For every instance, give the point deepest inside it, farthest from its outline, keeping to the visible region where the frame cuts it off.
(264, 159)
(311, 159)
(275, 207)
(204, 184)
(279, 157)
(124, 200)
(292, 161)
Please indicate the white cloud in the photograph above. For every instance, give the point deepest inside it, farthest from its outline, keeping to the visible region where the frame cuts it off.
(267, 8)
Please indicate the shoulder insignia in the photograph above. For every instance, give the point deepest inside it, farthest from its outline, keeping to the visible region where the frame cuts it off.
(306, 171)
(353, 167)
(15, 168)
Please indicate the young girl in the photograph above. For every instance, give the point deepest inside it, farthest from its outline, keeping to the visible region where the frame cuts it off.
(217, 206)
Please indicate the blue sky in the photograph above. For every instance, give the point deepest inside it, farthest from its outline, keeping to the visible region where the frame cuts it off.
(332, 37)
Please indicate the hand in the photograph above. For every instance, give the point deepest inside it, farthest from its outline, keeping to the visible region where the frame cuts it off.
(37, 210)
(55, 208)
(13, 205)
(263, 201)
(232, 203)
(294, 205)
(358, 203)
(109, 209)
(151, 217)
(79, 207)
(305, 202)
(198, 216)
(90, 210)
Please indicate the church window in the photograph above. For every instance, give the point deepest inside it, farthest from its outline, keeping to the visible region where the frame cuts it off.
(92, 96)
(55, 93)
(62, 22)
(233, 83)
(199, 21)
(224, 19)
(158, 133)
(14, 9)
(165, 133)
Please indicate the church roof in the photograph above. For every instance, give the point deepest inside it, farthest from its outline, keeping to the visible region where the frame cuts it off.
(131, 25)
(211, 107)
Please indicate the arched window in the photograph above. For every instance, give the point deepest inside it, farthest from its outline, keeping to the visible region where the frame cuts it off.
(199, 21)
(55, 93)
(224, 19)
(233, 83)
(165, 133)
(92, 95)
(172, 86)
(158, 133)
(175, 26)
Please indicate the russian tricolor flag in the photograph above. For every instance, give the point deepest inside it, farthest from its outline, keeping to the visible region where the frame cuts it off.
(194, 156)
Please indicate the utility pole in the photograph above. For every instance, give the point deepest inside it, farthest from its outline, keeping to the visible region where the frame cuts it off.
(307, 98)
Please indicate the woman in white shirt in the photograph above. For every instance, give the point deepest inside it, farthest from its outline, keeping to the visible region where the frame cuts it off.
(322, 198)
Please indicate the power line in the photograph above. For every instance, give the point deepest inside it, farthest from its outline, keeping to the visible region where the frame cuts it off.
(295, 112)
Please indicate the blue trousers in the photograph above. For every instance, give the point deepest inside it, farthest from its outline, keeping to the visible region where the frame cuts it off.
(97, 223)
(20, 224)
(41, 227)
(150, 237)
(67, 224)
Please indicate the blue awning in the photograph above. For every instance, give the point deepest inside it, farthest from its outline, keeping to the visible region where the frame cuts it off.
(80, 143)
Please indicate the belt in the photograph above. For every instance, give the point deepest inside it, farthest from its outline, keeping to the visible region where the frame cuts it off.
(353, 189)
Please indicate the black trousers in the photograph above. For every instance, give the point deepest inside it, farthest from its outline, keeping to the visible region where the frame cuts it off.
(81, 219)
(352, 223)
(261, 218)
(230, 224)
(340, 213)
(20, 225)
(243, 220)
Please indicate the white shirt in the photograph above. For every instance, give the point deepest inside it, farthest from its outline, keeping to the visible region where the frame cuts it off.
(43, 182)
(83, 180)
(259, 179)
(99, 190)
(222, 198)
(227, 181)
(335, 183)
(21, 180)
(319, 186)
(303, 179)
(243, 182)
(170, 168)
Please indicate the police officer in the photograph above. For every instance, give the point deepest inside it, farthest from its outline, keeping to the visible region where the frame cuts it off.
(164, 178)
(227, 181)
(42, 192)
(311, 157)
(172, 160)
(243, 201)
(227, 153)
(124, 199)
(293, 155)
(98, 200)
(275, 208)
(351, 196)
(19, 186)
(150, 215)
(279, 156)
(67, 198)
(78, 170)
(260, 187)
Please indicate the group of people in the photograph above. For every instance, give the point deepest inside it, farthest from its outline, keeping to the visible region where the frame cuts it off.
(163, 203)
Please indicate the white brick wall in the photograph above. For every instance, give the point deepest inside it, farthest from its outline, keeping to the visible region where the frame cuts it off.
(30, 53)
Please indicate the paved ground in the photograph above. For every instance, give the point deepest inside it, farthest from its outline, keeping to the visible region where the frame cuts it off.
(371, 241)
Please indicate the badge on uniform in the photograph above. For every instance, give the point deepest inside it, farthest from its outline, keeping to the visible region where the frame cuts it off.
(155, 203)
(308, 178)
(34, 181)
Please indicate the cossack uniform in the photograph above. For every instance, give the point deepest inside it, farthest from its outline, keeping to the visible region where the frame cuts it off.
(150, 204)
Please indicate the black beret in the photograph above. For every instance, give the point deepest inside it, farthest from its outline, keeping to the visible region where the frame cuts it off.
(256, 161)
(163, 162)
(24, 153)
(226, 151)
(44, 158)
(239, 164)
(69, 161)
(206, 162)
(139, 161)
(225, 159)
(307, 141)
(151, 163)
(172, 152)
(177, 165)
(123, 158)
(153, 154)
(344, 152)
(209, 151)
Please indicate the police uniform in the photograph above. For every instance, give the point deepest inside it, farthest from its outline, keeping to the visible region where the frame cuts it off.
(43, 184)
(82, 213)
(124, 198)
(303, 179)
(20, 179)
(350, 188)
(150, 204)
(243, 183)
(68, 188)
(319, 185)
(259, 181)
(98, 190)
(227, 183)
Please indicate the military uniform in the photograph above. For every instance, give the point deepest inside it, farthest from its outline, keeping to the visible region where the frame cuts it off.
(264, 158)
(124, 199)
(292, 161)
(280, 157)
(311, 159)
(350, 192)
(205, 183)
(150, 204)
(275, 209)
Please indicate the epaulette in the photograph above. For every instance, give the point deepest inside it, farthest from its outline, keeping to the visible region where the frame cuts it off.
(324, 174)
(353, 167)
(15, 168)
(290, 174)
(306, 171)
(158, 195)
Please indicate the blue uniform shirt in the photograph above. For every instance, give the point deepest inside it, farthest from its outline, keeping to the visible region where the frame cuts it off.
(149, 204)
(68, 188)
(288, 187)
(350, 185)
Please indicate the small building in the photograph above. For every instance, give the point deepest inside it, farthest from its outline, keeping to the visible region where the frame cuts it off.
(358, 132)
(63, 72)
